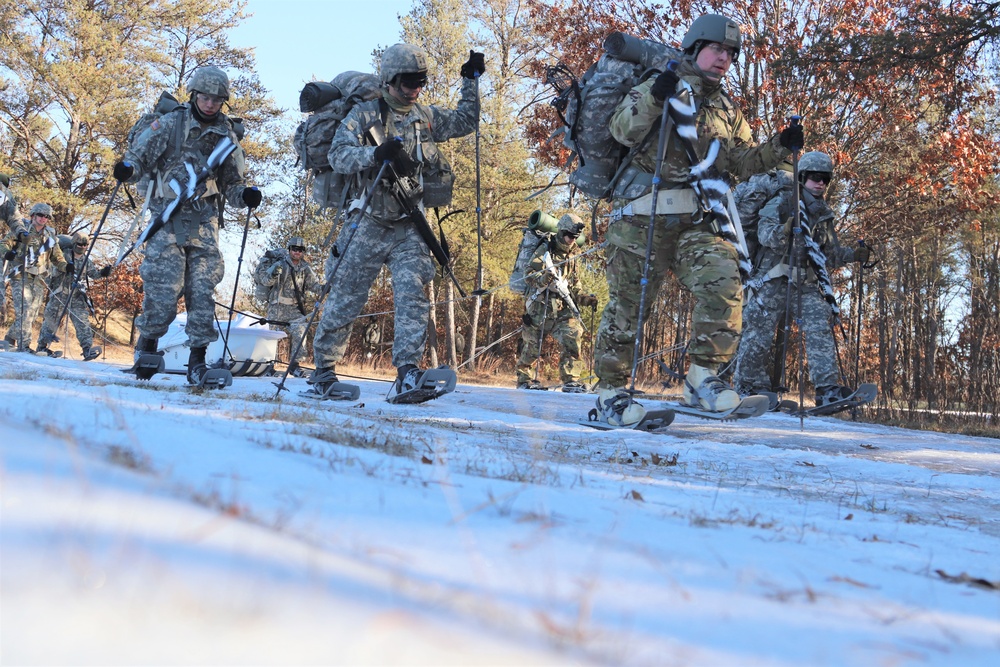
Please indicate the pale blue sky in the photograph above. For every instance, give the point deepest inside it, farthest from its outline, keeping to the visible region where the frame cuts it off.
(297, 41)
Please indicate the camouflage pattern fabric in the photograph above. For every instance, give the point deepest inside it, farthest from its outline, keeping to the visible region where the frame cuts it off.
(550, 314)
(702, 262)
(8, 211)
(60, 285)
(27, 290)
(40, 253)
(761, 316)
(183, 259)
(373, 244)
(282, 305)
(766, 305)
(350, 154)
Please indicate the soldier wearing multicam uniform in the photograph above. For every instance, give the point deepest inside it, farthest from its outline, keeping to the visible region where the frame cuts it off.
(33, 257)
(547, 312)
(700, 259)
(768, 301)
(292, 289)
(382, 235)
(183, 259)
(60, 286)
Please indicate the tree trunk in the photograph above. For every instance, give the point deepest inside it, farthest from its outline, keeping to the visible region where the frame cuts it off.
(432, 335)
(470, 340)
(449, 323)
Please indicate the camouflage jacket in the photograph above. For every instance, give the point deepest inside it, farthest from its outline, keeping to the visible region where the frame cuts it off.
(154, 153)
(8, 211)
(537, 278)
(281, 297)
(352, 153)
(718, 118)
(61, 281)
(41, 252)
(774, 237)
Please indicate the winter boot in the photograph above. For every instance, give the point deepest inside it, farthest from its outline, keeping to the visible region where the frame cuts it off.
(704, 390)
(530, 384)
(831, 393)
(407, 378)
(196, 365)
(574, 388)
(617, 408)
(322, 378)
(91, 352)
(43, 350)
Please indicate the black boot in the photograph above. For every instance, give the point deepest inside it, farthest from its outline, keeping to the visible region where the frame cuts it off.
(407, 378)
(146, 347)
(196, 366)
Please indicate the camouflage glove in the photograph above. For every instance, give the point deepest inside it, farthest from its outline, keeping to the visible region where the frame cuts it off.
(22, 236)
(9, 255)
(526, 320)
(587, 300)
(106, 271)
(123, 171)
(792, 138)
(252, 197)
(665, 85)
(862, 254)
(276, 271)
(474, 66)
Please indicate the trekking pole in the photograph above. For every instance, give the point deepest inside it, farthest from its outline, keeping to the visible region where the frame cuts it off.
(479, 291)
(294, 350)
(24, 275)
(236, 284)
(857, 329)
(80, 270)
(541, 337)
(661, 148)
(792, 240)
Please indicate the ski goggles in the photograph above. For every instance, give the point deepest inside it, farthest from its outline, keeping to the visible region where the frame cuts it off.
(818, 176)
(413, 80)
(296, 248)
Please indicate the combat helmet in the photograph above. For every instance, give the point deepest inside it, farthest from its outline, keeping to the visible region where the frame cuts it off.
(81, 238)
(570, 224)
(296, 241)
(4, 179)
(816, 161)
(210, 80)
(41, 209)
(712, 28)
(402, 59)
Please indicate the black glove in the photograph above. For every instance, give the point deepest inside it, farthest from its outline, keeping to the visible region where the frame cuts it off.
(665, 85)
(862, 254)
(387, 151)
(123, 171)
(792, 137)
(526, 320)
(587, 300)
(474, 66)
(404, 165)
(106, 271)
(252, 197)
(9, 255)
(70, 268)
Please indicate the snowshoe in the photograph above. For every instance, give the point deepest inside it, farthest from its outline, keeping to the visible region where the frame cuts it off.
(774, 402)
(617, 408)
(532, 384)
(147, 365)
(44, 351)
(832, 404)
(574, 388)
(751, 406)
(652, 420)
(91, 353)
(416, 386)
(200, 376)
(326, 386)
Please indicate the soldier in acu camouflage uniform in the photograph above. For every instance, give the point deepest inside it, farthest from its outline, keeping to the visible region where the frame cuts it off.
(700, 259)
(183, 259)
(382, 235)
(292, 289)
(60, 286)
(768, 301)
(34, 253)
(8, 221)
(548, 312)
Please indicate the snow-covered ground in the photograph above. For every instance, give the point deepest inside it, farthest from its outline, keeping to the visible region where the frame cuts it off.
(142, 523)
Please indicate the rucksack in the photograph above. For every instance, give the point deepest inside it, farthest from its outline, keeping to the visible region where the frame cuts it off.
(327, 105)
(541, 227)
(750, 197)
(586, 107)
(262, 292)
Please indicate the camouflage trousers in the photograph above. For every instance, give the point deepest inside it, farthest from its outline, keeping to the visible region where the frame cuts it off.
(555, 319)
(702, 262)
(296, 329)
(760, 317)
(79, 314)
(400, 248)
(27, 297)
(169, 272)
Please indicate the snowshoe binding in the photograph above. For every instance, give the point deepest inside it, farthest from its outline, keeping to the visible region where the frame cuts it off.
(835, 398)
(574, 388)
(708, 397)
(416, 386)
(200, 376)
(326, 386)
(617, 409)
(531, 385)
(44, 351)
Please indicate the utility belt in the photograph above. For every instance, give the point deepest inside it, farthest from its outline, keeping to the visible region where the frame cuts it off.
(678, 201)
(781, 271)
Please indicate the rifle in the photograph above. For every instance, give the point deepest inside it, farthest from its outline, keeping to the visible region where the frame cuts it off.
(404, 191)
(559, 284)
(188, 193)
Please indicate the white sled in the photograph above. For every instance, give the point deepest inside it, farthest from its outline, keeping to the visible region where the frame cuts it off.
(252, 349)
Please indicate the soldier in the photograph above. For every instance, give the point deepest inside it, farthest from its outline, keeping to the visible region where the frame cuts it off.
(552, 307)
(60, 286)
(383, 235)
(8, 221)
(683, 242)
(183, 258)
(292, 288)
(769, 301)
(34, 253)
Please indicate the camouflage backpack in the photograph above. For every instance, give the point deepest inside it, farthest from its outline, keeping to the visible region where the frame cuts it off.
(327, 105)
(586, 107)
(262, 292)
(750, 197)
